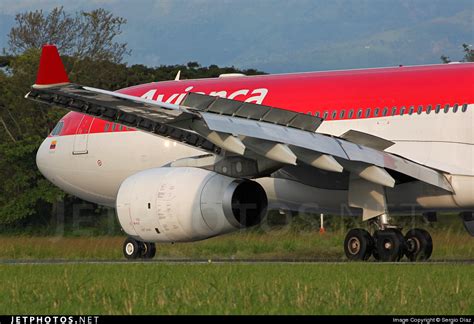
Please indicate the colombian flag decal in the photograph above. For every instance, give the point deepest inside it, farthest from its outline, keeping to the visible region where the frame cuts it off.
(53, 145)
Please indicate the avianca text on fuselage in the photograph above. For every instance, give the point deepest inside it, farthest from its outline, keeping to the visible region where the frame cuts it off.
(247, 95)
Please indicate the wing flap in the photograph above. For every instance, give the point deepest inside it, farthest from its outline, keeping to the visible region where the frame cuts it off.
(339, 148)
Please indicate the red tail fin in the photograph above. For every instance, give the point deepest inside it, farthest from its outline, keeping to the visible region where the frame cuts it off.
(51, 69)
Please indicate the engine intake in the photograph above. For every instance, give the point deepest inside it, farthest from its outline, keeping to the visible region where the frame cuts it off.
(187, 204)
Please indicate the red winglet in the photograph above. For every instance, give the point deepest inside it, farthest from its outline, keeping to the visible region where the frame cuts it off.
(51, 69)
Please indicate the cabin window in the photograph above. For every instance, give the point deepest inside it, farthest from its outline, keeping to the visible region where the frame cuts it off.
(57, 129)
(316, 114)
(334, 114)
(309, 113)
(394, 111)
(376, 112)
(428, 109)
(420, 110)
(114, 127)
(325, 116)
(343, 112)
(438, 108)
(412, 109)
(385, 111)
(367, 112)
(106, 127)
(402, 111)
(455, 108)
(351, 113)
(446, 108)
(464, 108)
(359, 113)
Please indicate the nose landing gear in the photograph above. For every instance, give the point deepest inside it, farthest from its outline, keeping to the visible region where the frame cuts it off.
(133, 249)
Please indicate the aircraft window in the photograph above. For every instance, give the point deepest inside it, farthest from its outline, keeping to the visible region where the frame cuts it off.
(351, 113)
(309, 113)
(420, 109)
(106, 127)
(114, 127)
(325, 116)
(334, 114)
(343, 112)
(402, 111)
(359, 113)
(57, 129)
(412, 109)
(376, 112)
(394, 111)
(385, 111)
(464, 108)
(438, 108)
(446, 108)
(455, 108)
(428, 109)
(367, 112)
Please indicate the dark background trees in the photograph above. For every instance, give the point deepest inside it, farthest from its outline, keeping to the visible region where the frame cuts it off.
(468, 55)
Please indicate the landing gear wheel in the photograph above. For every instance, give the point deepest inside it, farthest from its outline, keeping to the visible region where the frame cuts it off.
(419, 245)
(390, 245)
(358, 245)
(131, 248)
(148, 250)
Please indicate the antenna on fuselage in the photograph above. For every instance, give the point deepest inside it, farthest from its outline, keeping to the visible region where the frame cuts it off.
(178, 75)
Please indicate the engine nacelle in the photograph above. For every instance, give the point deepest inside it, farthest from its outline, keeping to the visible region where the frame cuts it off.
(187, 204)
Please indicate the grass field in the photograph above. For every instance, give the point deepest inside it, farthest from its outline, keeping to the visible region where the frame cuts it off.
(352, 288)
(448, 245)
(234, 288)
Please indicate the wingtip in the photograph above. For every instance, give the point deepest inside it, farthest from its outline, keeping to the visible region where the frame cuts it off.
(51, 69)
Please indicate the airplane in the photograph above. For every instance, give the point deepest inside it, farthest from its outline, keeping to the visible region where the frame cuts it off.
(186, 160)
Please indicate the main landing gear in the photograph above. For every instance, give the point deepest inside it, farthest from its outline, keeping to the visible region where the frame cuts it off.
(388, 244)
(133, 249)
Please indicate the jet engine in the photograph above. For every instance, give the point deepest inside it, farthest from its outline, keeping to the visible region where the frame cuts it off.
(182, 204)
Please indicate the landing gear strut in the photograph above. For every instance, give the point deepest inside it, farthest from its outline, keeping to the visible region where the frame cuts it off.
(133, 249)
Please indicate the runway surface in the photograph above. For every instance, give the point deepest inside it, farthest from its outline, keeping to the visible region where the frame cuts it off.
(214, 261)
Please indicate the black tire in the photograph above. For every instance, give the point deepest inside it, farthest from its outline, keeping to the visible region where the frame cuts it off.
(358, 245)
(148, 250)
(131, 249)
(390, 245)
(419, 245)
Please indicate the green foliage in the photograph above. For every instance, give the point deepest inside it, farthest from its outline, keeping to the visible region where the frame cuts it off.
(23, 188)
(468, 55)
(85, 35)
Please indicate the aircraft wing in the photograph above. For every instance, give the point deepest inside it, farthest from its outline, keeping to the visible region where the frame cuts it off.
(253, 132)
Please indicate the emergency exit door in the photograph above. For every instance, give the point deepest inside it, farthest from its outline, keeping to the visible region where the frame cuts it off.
(82, 136)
